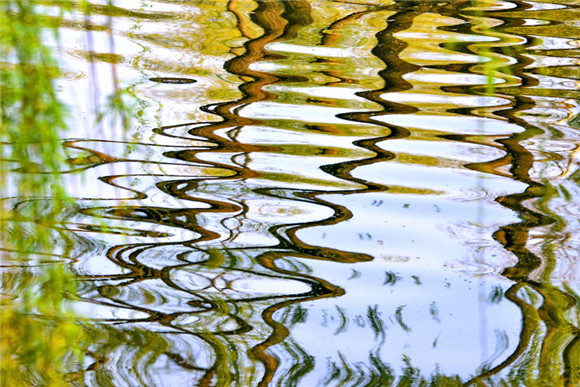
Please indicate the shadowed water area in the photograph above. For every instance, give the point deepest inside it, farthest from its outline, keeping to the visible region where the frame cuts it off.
(322, 193)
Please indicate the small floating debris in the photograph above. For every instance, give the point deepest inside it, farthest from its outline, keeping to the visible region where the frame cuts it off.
(177, 81)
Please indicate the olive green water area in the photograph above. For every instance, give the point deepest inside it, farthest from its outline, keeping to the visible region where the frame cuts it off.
(321, 193)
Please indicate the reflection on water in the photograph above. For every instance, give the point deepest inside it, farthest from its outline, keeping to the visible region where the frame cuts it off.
(327, 192)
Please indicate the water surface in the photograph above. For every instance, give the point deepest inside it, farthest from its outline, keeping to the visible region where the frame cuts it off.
(313, 193)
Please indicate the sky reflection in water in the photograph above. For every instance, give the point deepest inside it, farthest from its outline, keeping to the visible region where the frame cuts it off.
(347, 194)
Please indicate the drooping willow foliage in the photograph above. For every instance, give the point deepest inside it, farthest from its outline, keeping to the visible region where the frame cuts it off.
(40, 338)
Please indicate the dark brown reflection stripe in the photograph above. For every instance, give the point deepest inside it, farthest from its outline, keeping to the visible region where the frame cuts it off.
(280, 332)
(173, 81)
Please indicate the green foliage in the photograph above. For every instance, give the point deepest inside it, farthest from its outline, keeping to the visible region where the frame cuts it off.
(40, 338)
(39, 334)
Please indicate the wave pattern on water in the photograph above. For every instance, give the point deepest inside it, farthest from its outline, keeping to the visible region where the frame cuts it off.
(326, 193)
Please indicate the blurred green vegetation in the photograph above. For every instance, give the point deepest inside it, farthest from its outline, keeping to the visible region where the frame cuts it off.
(40, 337)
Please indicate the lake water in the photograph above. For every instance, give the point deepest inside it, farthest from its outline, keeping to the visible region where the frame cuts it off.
(325, 193)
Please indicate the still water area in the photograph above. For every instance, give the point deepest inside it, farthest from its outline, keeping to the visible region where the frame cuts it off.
(324, 193)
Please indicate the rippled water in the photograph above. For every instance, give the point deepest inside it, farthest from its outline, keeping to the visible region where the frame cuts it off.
(338, 193)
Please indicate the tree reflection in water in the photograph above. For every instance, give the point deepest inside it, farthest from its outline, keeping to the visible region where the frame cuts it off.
(319, 216)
